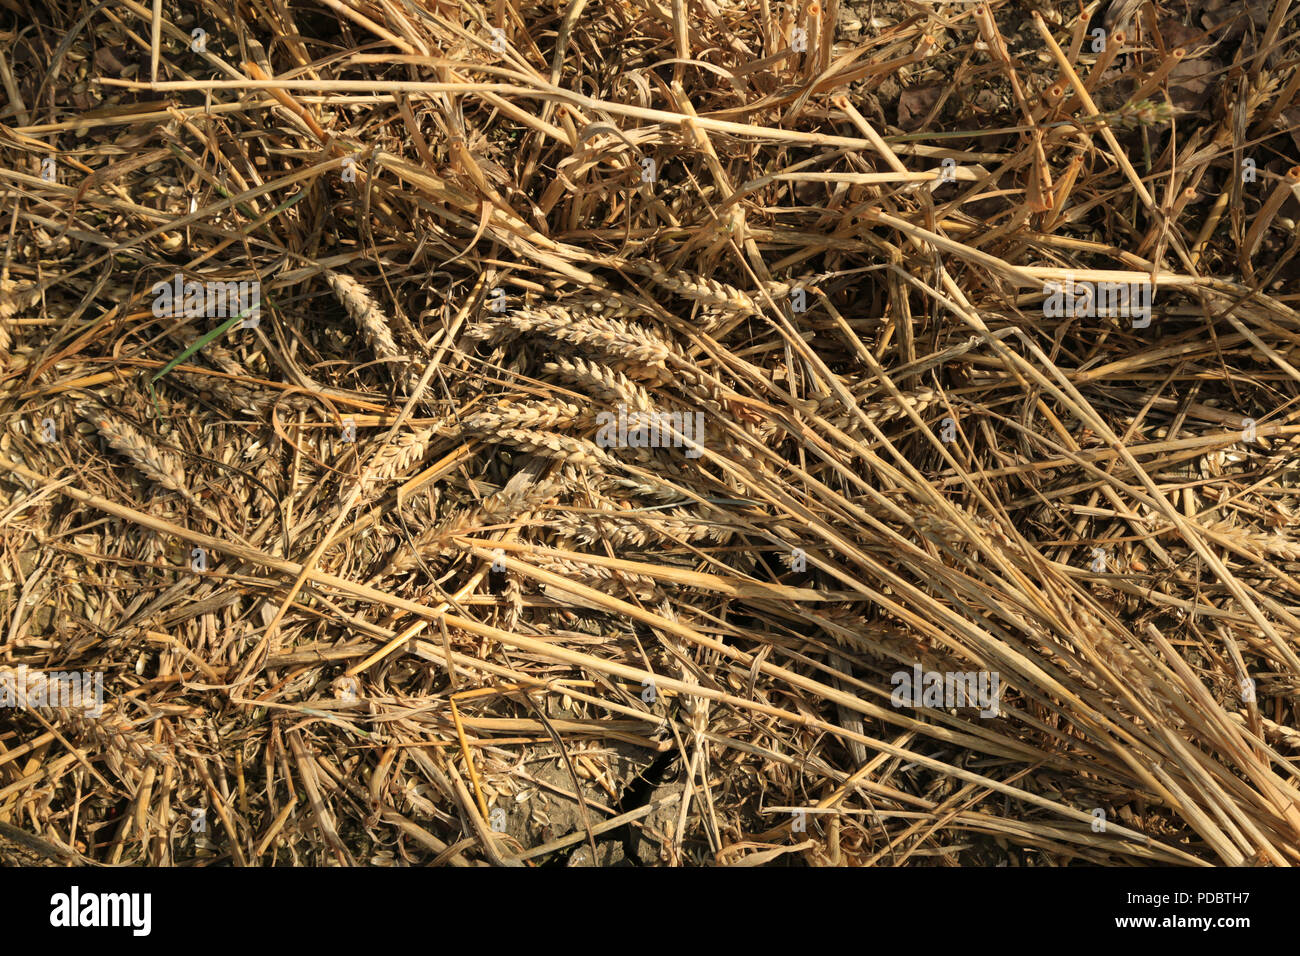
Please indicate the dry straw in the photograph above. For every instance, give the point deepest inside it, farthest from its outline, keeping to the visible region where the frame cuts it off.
(923, 467)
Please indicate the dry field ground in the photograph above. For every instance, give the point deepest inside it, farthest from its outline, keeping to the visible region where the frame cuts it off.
(655, 433)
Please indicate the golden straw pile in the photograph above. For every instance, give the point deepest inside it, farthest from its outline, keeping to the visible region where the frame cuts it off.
(560, 433)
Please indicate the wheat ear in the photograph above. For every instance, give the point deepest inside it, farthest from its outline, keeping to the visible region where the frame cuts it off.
(627, 347)
(534, 415)
(579, 451)
(153, 462)
(698, 288)
(620, 530)
(604, 382)
(370, 319)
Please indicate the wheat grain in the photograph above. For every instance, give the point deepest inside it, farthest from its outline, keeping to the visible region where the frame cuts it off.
(393, 460)
(234, 394)
(605, 306)
(639, 488)
(514, 601)
(238, 397)
(505, 326)
(365, 312)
